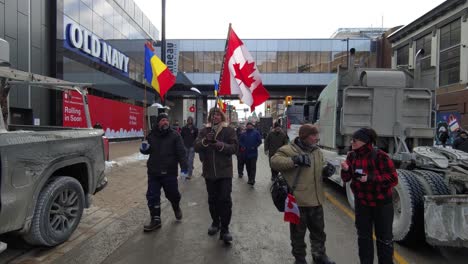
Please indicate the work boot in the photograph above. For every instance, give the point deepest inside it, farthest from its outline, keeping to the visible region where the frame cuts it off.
(300, 260)
(225, 236)
(177, 211)
(155, 220)
(322, 259)
(213, 229)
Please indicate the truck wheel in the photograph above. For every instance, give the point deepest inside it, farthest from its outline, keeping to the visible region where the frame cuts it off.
(349, 194)
(58, 212)
(408, 205)
(435, 181)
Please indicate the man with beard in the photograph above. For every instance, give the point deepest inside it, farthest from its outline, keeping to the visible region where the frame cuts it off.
(217, 143)
(166, 151)
(275, 139)
(302, 159)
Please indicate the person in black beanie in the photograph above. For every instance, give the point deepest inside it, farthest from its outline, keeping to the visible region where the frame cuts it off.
(166, 150)
(373, 176)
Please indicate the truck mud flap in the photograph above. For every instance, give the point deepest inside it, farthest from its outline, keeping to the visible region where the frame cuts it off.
(446, 220)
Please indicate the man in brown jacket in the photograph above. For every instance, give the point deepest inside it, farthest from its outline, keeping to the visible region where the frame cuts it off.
(303, 158)
(217, 143)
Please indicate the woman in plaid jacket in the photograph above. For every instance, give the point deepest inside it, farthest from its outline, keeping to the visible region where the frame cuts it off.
(373, 176)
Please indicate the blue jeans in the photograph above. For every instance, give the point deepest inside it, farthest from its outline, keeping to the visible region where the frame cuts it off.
(190, 152)
(170, 186)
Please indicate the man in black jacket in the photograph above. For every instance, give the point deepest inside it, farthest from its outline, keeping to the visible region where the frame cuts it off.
(189, 134)
(166, 151)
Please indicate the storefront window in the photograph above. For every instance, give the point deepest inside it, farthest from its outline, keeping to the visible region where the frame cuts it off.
(293, 61)
(282, 61)
(449, 64)
(425, 43)
(272, 64)
(403, 55)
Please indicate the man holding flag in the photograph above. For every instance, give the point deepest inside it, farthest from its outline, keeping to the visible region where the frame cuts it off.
(301, 163)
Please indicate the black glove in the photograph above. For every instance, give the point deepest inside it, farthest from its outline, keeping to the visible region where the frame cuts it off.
(210, 137)
(301, 160)
(218, 145)
(328, 170)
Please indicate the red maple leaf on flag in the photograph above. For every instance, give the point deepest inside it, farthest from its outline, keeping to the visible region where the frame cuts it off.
(244, 73)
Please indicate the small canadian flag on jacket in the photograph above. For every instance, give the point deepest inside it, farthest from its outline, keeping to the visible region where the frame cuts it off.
(291, 210)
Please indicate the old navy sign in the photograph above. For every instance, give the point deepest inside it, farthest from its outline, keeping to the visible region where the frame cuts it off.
(90, 44)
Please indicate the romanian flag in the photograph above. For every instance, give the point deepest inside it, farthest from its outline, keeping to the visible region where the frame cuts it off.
(157, 73)
(221, 104)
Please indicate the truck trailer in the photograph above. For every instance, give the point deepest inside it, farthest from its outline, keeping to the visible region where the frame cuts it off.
(431, 198)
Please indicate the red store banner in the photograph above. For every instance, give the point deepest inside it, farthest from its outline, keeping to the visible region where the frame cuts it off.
(119, 120)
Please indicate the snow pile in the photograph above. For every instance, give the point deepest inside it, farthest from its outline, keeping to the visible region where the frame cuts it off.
(125, 160)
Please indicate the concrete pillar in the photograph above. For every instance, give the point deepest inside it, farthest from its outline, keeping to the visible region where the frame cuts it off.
(394, 59)
(464, 50)
(201, 111)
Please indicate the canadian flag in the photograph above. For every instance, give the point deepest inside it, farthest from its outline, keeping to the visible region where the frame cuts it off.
(239, 75)
(291, 210)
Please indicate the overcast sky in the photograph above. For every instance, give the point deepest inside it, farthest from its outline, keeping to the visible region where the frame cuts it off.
(263, 19)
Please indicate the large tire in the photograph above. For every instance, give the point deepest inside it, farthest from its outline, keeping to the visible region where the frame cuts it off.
(408, 202)
(435, 182)
(349, 194)
(58, 212)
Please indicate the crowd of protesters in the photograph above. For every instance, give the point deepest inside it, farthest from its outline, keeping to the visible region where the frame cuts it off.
(299, 161)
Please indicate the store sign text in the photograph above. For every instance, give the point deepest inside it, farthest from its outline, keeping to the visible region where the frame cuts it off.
(89, 43)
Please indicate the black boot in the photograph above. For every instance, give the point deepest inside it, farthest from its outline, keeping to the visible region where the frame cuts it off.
(225, 236)
(155, 220)
(213, 229)
(300, 260)
(177, 211)
(323, 259)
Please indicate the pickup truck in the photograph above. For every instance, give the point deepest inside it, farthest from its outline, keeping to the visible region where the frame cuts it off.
(47, 178)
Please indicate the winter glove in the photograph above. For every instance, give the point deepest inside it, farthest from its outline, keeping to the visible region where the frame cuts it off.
(218, 145)
(210, 137)
(328, 170)
(144, 146)
(301, 160)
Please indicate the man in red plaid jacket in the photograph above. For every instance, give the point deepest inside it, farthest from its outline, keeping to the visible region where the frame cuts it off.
(373, 176)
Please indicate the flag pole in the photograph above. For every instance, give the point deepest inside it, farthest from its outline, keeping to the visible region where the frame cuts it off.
(145, 104)
(224, 57)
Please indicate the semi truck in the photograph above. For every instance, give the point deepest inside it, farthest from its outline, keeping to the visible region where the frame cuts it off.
(431, 198)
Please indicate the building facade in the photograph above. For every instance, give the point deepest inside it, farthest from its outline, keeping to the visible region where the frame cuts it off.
(442, 34)
(86, 41)
(297, 67)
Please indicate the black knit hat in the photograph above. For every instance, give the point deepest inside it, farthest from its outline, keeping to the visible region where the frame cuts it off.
(161, 116)
(366, 135)
(249, 123)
